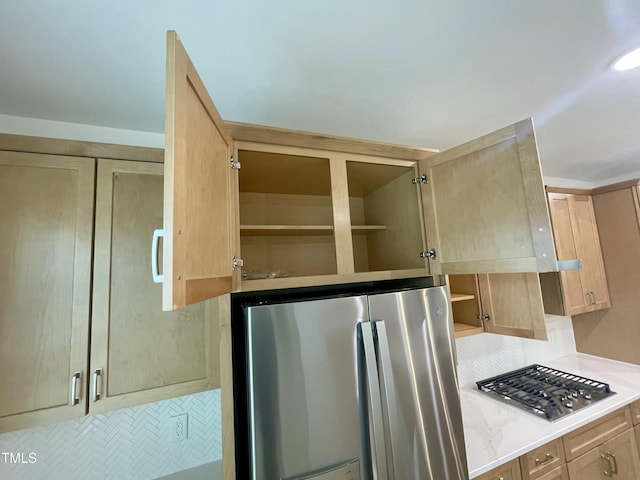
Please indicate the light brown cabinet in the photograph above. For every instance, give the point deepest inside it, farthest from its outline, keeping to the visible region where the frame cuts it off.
(507, 303)
(572, 292)
(604, 448)
(545, 462)
(46, 210)
(616, 458)
(508, 471)
(323, 209)
(139, 353)
(59, 359)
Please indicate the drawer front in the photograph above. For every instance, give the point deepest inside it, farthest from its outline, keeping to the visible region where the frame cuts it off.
(596, 433)
(508, 471)
(560, 473)
(635, 412)
(542, 460)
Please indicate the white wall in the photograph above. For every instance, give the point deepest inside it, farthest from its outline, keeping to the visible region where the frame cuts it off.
(487, 355)
(75, 131)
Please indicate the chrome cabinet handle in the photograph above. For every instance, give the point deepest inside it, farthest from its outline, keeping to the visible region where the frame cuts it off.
(614, 468)
(74, 399)
(593, 297)
(378, 443)
(94, 385)
(157, 277)
(547, 459)
(607, 458)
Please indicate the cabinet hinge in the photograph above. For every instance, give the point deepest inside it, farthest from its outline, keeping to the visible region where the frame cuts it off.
(237, 262)
(430, 254)
(420, 179)
(234, 164)
(484, 317)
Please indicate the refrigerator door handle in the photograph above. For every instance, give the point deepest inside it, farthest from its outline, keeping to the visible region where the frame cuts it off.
(389, 404)
(378, 447)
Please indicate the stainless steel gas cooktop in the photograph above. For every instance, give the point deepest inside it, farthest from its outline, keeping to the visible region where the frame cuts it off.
(545, 391)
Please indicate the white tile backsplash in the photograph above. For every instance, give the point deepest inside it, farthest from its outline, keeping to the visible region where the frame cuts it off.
(486, 355)
(128, 444)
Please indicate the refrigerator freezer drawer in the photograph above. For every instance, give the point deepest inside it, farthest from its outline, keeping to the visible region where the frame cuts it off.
(346, 471)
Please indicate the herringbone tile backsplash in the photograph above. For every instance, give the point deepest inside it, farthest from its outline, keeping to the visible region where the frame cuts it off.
(128, 444)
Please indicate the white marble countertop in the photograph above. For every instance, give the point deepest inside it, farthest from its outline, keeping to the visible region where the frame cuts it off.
(496, 432)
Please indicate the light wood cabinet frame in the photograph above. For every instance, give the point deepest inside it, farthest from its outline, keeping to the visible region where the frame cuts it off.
(575, 230)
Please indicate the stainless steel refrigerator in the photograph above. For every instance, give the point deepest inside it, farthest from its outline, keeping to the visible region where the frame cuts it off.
(352, 387)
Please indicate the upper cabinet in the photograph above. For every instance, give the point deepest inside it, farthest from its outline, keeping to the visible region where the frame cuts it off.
(46, 210)
(198, 221)
(297, 209)
(575, 230)
(138, 352)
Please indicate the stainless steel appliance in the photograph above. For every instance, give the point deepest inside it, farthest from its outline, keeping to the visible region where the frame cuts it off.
(545, 391)
(352, 387)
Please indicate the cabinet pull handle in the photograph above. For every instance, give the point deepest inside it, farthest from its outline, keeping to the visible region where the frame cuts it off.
(587, 297)
(614, 469)
(94, 385)
(593, 297)
(547, 459)
(74, 399)
(157, 277)
(607, 458)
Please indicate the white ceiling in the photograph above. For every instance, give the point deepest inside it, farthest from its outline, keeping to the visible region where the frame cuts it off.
(426, 73)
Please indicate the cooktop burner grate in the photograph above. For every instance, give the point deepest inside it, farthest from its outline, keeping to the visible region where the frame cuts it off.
(545, 391)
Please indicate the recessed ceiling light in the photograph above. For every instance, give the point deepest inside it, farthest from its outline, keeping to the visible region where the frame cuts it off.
(628, 61)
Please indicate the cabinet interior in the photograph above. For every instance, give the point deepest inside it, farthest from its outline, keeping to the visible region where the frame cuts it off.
(465, 305)
(385, 217)
(286, 215)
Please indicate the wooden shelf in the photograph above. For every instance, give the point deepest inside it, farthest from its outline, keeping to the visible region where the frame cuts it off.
(273, 230)
(463, 330)
(458, 297)
(269, 230)
(360, 229)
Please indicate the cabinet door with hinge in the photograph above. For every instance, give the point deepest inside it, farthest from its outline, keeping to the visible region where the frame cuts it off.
(503, 303)
(46, 215)
(512, 304)
(139, 353)
(485, 206)
(198, 211)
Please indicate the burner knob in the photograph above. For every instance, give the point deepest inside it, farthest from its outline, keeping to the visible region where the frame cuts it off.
(587, 396)
(568, 404)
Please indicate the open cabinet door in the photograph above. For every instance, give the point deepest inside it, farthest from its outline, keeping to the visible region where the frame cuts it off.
(485, 206)
(197, 251)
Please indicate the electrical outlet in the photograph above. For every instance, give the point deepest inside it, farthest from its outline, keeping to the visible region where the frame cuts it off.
(179, 427)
